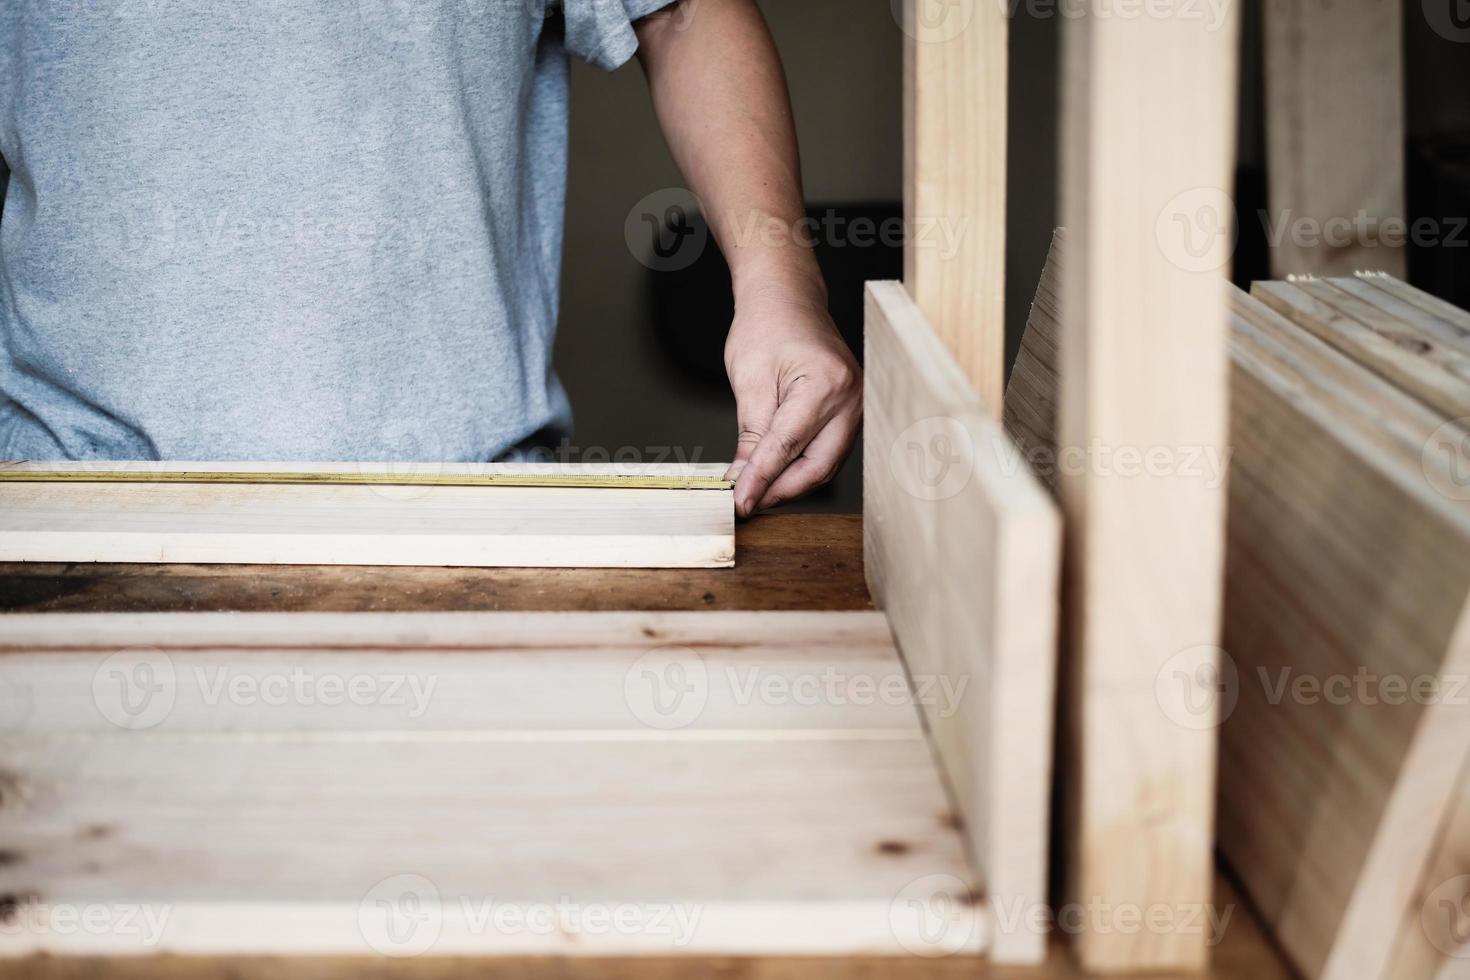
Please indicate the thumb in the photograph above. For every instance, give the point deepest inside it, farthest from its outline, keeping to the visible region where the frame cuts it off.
(754, 410)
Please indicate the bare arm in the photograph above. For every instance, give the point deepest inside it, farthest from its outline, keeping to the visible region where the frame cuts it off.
(721, 98)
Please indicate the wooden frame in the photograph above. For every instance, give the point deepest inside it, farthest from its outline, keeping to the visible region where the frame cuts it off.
(962, 550)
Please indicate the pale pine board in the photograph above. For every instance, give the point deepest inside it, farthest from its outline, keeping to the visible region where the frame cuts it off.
(1341, 556)
(370, 525)
(1445, 312)
(1333, 73)
(1431, 939)
(1149, 111)
(787, 827)
(1428, 315)
(955, 106)
(965, 562)
(487, 676)
(1416, 361)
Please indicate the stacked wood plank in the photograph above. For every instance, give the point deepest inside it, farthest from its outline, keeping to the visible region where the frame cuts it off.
(1345, 736)
(1347, 615)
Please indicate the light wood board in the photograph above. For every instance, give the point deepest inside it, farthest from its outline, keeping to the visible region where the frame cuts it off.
(962, 550)
(1429, 316)
(1304, 798)
(955, 65)
(764, 776)
(1413, 358)
(370, 525)
(1445, 312)
(1149, 113)
(1334, 91)
(1347, 581)
(1431, 940)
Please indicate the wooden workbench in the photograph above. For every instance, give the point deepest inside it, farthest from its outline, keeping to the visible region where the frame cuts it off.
(784, 562)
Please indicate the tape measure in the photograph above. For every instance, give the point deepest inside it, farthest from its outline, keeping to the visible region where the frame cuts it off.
(600, 481)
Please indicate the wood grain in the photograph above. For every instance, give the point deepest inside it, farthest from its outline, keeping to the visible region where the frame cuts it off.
(1149, 110)
(1328, 810)
(1445, 312)
(810, 559)
(1345, 566)
(955, 71)
(963, 549)
(1428, 315)
(1333, 73)
(556, 759)
(1415, 360)
(368, 525)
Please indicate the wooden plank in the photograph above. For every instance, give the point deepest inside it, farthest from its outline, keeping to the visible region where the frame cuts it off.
(1412, 307)
(955, 65)
(1437, 375)
(1243, 953)
(1346, 594)
(1438, 346)
(1333, 73)
(1149, 108)
(1030, 410)
(370, 525)
(568, 670)
(1302, 816)
(962, 549)
(1384, 416)
(555, 794)
(1446, 312)
(1431, 939)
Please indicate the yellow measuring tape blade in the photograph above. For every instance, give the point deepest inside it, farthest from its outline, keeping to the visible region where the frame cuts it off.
(625, 482)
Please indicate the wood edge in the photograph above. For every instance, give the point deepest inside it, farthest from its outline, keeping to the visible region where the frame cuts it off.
(1250, 315)
(998, 462)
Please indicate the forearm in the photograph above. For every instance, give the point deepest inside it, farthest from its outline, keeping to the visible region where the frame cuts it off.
(720, 94)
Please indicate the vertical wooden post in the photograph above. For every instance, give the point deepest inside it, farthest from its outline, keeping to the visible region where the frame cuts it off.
(1335, 136)
(1148, 138)
(955, 179)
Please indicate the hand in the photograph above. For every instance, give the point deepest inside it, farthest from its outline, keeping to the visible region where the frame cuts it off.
(798, 395)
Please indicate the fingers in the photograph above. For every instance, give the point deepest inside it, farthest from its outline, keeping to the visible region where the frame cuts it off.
(796, 422)
(817, 464)
(754, 413)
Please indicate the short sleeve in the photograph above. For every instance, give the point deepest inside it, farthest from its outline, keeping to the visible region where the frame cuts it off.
(601, 31)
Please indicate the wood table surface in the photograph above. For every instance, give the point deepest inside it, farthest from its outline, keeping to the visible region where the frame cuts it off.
(800, 561)
(782, 562)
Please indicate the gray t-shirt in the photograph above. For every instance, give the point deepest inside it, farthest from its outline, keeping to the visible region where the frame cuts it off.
(286, 229)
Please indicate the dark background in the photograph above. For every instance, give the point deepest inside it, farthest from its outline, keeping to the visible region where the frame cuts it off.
(639, 350)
